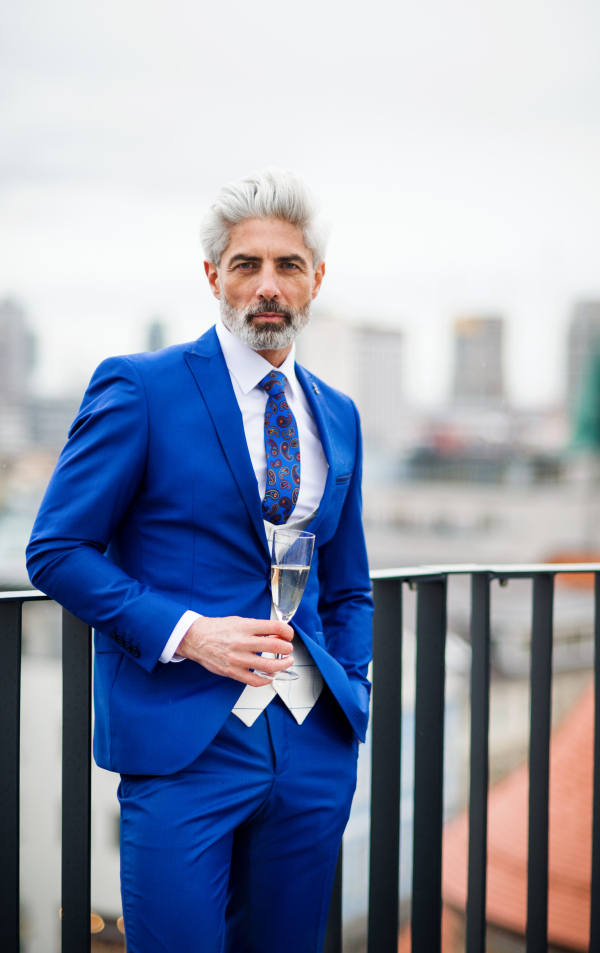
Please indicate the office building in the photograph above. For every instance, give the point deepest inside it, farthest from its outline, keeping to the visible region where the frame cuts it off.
(16, 361)
(583, 342)
(364, 362)
(379, 356)
(478, 360)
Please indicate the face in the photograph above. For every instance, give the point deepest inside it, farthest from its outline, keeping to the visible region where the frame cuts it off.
(266, 283)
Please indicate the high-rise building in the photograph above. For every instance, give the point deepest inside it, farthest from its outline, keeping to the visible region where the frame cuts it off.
(478, 360)
(379, 355)
(365, 363)
(156, 335)
(16, 361)
(583, 343)
(16, 353)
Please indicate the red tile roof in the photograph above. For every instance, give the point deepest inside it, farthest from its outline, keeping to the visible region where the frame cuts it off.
(570, 839)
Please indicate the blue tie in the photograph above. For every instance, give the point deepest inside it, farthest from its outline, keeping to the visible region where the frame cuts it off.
(282, 448)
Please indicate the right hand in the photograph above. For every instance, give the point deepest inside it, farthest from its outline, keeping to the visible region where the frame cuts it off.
(229, 647)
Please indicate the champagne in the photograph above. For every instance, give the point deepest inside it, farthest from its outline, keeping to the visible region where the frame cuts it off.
(287, 588)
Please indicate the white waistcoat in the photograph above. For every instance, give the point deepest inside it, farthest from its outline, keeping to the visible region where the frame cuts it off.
(301, 693)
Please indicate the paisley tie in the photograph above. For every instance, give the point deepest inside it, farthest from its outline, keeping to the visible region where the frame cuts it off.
(282, 448)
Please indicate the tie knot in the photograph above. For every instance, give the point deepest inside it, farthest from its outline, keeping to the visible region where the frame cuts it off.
(274, 381)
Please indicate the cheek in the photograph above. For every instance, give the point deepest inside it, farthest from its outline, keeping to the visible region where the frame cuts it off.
(299, 292)
(238, 292)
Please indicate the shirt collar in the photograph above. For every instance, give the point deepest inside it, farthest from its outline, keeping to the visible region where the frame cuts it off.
(248, 367)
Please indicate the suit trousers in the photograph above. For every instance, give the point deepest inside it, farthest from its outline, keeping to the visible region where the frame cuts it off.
(237, 852)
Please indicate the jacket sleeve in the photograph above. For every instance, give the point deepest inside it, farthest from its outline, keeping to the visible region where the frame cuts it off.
(345, 601)
(96, 479)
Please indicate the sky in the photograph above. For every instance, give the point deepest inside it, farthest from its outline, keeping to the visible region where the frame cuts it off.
(454, 145)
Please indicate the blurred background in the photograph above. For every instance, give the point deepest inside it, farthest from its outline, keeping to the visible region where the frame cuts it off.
(455, 147)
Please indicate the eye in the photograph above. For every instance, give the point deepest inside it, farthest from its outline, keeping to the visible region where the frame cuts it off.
(246, 265)
(290, 266)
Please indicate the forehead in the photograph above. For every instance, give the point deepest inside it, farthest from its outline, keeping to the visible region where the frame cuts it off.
(266, 238)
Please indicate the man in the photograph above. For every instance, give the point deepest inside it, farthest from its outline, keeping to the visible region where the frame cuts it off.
(155, 529)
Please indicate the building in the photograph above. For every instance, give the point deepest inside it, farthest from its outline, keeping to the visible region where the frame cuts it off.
(379, 354)
(364, 362)
(16, 362)
(157, 337)
(583, 341)
(478, 360)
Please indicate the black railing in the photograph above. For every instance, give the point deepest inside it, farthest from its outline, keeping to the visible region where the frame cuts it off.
(384, 886)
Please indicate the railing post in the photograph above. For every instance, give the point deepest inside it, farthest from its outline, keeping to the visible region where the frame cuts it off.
(595, 907)
(76, 784)
(479, 781)
(384, 869)
(10, 703)
(426, 920)
(539, 763)
(333, 933)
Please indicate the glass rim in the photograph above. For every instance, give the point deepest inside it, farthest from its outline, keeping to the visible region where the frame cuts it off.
(290, 531)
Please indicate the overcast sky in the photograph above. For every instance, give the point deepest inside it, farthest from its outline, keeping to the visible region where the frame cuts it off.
(455, 145)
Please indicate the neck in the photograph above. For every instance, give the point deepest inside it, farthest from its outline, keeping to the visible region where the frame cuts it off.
(277, 356)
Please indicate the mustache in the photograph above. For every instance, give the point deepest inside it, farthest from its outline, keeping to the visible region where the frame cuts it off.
(269, 307)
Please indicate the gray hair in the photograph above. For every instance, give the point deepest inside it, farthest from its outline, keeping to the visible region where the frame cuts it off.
(274, 193)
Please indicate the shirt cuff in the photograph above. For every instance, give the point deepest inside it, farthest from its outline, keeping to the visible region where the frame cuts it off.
(168, 653)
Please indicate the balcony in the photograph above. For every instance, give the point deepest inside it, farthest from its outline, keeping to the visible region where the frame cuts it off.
(427, 789)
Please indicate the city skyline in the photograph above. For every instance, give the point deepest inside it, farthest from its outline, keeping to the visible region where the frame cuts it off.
(155, 330)
(456, 153)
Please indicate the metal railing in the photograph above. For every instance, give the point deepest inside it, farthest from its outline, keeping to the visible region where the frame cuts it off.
(384, 877)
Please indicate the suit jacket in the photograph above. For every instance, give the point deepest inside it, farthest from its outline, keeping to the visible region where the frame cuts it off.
(154, 509)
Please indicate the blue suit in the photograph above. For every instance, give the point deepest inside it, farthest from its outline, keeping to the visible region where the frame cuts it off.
(154, 509)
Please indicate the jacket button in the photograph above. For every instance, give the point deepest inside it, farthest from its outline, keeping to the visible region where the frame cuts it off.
(120, 640)
(113, 635)
(135, 652)
(127, 646)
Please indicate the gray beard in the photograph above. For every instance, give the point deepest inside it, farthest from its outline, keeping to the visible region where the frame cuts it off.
(265, 337)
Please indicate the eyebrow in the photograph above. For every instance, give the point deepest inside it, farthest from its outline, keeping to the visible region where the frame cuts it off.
(244, 258)
(257, 258)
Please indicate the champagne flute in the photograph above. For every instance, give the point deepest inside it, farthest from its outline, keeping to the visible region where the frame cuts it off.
(291, 555)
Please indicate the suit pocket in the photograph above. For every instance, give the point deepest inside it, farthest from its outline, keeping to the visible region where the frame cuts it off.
(343, 478)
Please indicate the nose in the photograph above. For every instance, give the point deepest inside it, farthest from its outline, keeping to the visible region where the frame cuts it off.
(268, 286)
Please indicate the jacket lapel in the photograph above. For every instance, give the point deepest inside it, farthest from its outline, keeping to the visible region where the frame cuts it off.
(321, 415)
(207, 364)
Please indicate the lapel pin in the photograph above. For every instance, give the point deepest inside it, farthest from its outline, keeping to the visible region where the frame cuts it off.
(316, 389)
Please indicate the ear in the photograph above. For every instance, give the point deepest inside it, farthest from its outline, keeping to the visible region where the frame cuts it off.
(212, 273)
(318, 279)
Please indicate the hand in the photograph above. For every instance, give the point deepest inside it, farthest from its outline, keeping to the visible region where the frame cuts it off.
(228, 647)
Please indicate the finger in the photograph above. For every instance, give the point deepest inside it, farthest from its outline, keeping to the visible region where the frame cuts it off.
(266, 644)
(251, 678)
(272, 665)
(271, 627)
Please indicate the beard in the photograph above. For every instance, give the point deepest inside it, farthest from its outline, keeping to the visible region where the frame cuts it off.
(262, 336)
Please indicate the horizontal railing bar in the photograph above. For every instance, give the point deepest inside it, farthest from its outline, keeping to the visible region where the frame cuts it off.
(510, 571)
(496, 571)
(418, 572)
(23, 595)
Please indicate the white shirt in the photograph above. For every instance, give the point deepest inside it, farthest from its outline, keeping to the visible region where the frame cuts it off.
(246, 369)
